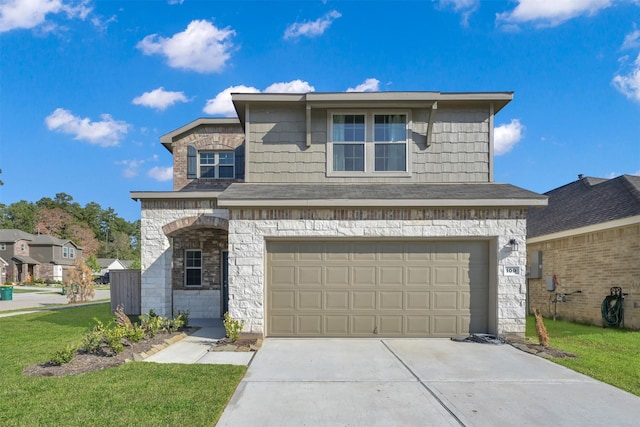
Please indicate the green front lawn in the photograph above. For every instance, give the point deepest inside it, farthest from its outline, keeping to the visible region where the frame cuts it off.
(135, 393)
(606, 354)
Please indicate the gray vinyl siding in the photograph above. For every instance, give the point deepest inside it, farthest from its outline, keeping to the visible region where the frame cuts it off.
(459, 151)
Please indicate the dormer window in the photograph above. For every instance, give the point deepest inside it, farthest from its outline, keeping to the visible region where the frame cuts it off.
(367, 143)
(217, 164)
(65, 252)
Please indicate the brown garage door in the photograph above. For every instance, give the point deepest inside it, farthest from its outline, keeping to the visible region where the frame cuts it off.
(377, 288)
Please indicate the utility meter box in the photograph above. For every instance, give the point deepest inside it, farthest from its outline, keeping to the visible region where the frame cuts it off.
(551, 286)
(535, 265)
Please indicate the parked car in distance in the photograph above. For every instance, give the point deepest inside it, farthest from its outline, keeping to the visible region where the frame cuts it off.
(102, 280)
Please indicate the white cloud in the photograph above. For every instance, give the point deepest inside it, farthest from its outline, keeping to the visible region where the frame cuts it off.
(632, 40)
(105, 133)
(131, 167)
(27, 14)
(313, 28)
(464, 7)
(202, 47)
(506, 136)
(161, 173)
(369, 85)
(294, 86)
(629, 84)
(222, 105)
(159, 99)
(551, 12)
(172, 2)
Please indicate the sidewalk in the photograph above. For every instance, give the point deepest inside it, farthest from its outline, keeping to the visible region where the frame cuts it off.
(42, 297)
(194, 349)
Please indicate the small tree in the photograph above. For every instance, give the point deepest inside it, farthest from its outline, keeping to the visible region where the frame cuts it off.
(92, 263)
(80, 287)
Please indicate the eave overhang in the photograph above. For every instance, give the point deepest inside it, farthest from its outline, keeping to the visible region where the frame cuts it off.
(173, 195)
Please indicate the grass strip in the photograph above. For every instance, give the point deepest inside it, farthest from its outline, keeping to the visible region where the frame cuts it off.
(606, 354)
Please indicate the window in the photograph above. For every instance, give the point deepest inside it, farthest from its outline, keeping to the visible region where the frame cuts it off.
(3, 246)
(72, 253)
(65, 252)
(193, 267)
(217, 164)
(368, 142)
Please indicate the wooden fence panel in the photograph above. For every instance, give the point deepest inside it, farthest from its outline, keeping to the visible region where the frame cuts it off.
(126, 290)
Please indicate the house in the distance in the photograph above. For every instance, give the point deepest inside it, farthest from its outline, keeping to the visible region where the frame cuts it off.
(588, 237)
(109, 264)
(341, 214)
(32, 257)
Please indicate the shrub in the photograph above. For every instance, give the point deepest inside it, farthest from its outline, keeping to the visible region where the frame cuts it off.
(233, 327)
(63, 356)
(152, 323)
(135, 333)
(92, 342)
(113, 338)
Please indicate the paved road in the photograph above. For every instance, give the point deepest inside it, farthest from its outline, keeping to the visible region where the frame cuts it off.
(40, 298)
(417, 382)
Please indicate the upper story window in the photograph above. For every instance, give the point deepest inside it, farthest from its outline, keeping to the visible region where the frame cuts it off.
(72, 253)
(65, 252)
(368, 142)
(3, 246)
(217, 164)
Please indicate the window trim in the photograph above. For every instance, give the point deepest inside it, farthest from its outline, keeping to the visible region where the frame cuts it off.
(65, 252)
(369, 144)
(72, 253)
(216, 165)
(3, 246)
(186, 268)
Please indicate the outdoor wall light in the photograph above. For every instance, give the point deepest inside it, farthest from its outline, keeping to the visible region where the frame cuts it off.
(514, 245)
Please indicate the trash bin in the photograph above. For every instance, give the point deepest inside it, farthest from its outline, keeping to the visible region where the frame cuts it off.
(6, 293)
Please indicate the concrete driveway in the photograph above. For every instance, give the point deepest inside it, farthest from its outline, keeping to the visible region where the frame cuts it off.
(417, 382)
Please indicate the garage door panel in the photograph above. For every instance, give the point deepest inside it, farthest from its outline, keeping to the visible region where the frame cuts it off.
(390, 325)
(377, 288)
(418, 325)
(391, 300)
(310, 324)
(336, 300)
(283, 300)
(364, 275)
(283, 325)
(310, 276)
(336, 325)
(445, 300)
(363, 324)
(309, 300)
(445, 276)
(363, 300)
(418, 300)
(444, 326)
(337, 276)
(418, 275)
(285, 275)
(391, 276)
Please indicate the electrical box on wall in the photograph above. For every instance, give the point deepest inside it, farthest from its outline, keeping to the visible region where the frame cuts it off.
(551, 284)
(535, 265)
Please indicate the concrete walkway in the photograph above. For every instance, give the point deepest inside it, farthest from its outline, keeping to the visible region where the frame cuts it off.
(195, 348)
(417, 382)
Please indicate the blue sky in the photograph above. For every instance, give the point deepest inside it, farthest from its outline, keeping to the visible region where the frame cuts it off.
(87, 87)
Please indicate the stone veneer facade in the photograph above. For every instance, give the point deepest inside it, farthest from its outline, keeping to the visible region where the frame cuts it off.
(157, 257)
(250, 228)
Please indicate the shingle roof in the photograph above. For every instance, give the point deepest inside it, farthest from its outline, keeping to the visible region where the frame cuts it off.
(342, 194)
(45, 239)
(13, 235)
(584, 202)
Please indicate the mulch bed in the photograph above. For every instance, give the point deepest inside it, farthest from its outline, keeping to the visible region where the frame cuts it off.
(84, 362)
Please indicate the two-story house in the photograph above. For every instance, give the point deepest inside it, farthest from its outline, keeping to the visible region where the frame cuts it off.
(341, 214)
(30, 256)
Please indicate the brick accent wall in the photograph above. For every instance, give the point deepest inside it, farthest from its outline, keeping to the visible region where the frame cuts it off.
(211, 242)
(593, 263)
(209, 137)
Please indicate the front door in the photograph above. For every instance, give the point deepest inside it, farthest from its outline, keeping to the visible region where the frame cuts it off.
(225, 282)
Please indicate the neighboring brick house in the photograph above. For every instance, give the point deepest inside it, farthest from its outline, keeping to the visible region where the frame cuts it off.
(340, 214)
(31, 257)
(588, 237)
